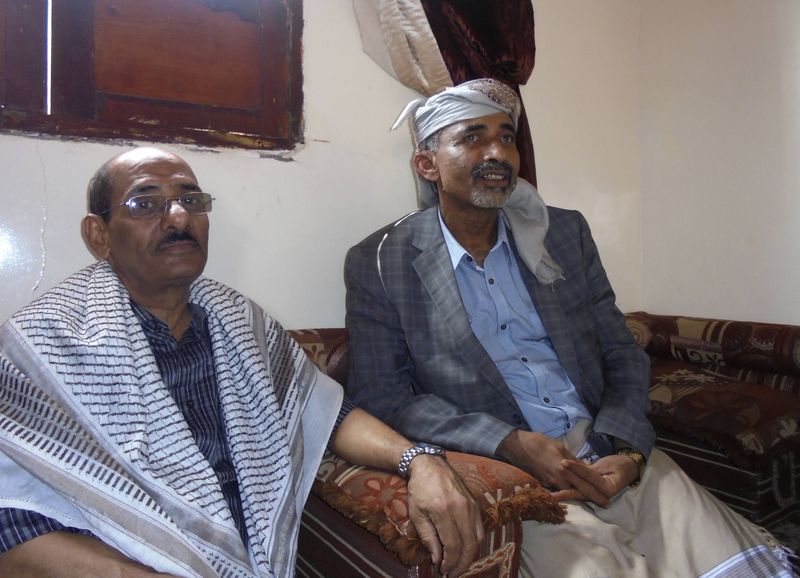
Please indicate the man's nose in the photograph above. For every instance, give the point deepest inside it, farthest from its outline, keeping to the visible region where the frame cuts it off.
(174, 211)
(496, 151)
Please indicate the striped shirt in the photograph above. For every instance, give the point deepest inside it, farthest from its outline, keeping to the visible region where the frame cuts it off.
(187, 369)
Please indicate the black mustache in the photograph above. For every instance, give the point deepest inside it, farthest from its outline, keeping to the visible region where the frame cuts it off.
(492, 166)
(176, 236)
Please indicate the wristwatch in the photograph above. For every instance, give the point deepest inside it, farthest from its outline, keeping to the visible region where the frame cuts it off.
(638, 458)
(414, 451)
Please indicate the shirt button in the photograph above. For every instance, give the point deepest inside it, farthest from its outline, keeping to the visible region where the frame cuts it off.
(503, 326)
(524, 360)
(547, 400)
(491, 281)
(469, 258)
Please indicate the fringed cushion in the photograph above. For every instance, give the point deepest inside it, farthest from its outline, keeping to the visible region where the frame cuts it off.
(378, 500)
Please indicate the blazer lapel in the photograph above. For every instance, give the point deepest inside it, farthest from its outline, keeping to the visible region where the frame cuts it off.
(435, 271)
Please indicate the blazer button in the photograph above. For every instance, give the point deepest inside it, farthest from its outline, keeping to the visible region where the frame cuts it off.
(517, 419)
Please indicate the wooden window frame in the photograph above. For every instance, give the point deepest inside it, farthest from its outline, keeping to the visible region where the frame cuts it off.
(80, 110)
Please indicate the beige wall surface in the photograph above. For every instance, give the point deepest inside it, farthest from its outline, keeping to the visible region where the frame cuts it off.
(721, 158)
(583, 106)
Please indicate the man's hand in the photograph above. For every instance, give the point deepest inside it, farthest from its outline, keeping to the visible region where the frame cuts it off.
(553, 465)
(616, 473)
(446, 517)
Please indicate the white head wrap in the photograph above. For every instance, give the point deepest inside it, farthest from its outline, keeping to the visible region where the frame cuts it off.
(524, 209)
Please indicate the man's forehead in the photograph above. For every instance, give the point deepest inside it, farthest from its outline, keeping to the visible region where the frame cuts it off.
(148, 165)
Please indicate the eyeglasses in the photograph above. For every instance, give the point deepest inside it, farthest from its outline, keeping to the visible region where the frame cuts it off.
(158, 205)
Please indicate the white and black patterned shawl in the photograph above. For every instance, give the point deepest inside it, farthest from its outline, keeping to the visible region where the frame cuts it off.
(90, 436)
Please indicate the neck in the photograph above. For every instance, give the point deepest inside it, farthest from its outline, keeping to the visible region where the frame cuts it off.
(475, 230)
(172, 307)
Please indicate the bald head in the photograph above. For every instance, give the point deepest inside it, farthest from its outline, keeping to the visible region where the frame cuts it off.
(101, 186)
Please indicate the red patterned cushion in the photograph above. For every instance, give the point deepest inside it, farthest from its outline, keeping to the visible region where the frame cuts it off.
(750, 422)
(378, 500)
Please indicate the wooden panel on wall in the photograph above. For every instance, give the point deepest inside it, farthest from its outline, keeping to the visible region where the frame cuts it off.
(157, 58)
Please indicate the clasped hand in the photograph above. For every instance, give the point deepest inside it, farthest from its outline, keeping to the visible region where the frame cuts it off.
(569, 477)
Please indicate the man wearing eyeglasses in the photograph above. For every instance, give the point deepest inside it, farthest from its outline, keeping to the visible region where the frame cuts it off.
(158, 423)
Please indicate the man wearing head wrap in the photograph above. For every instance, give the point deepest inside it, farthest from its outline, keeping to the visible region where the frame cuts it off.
(486, 323)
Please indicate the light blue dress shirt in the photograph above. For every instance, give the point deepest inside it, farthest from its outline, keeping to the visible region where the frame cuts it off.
(504, 319)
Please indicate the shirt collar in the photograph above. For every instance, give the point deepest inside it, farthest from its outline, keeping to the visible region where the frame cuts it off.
(455, 249)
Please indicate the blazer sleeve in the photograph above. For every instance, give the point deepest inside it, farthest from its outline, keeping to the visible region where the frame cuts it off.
(382, 377)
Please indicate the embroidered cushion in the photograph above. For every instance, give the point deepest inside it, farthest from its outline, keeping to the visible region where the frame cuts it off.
(378, 500)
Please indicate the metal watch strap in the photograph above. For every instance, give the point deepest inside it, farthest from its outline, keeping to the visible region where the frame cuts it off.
(638, 458)
(414, 451)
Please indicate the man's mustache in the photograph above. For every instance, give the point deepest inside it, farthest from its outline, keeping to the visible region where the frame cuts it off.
(494, 166)
(176, 236)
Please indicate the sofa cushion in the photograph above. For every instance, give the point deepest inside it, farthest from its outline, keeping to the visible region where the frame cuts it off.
(751, 423)
(378, 500)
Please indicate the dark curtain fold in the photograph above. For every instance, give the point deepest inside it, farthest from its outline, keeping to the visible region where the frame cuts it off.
(489, 39)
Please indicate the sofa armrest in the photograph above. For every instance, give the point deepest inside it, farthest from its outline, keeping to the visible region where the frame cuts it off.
(378, 500)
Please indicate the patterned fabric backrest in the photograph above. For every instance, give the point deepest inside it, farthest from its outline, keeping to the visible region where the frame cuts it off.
(327, 348)
(766, 349)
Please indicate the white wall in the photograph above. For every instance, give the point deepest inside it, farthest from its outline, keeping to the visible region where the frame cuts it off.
(721, 158)
(583, 105)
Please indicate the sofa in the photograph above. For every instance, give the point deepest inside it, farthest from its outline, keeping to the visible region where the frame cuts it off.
(725, 403)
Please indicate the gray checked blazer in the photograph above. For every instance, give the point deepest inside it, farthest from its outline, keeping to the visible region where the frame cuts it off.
(416, 364)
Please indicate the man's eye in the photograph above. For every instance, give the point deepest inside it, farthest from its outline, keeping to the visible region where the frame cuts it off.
(190, 201)
(509, 138)
(142, 204)
(471, 138)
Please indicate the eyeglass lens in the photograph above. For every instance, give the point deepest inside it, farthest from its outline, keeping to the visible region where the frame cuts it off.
(143, 206)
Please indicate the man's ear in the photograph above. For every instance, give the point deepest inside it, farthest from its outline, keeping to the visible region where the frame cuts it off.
(94, 231)
(425, 164)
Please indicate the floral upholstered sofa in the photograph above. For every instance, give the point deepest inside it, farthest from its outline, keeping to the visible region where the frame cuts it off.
(725, 399)
(355, 523)
(725, 404)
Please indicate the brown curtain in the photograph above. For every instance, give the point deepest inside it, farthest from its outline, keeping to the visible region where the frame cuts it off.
(489, 39)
